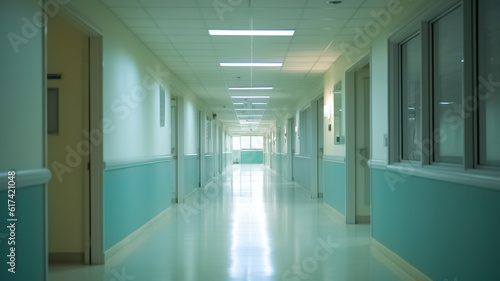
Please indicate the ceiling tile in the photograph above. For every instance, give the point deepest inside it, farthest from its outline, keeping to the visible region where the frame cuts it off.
(130, 13)
(169, 3)
(174, 13)
(317, 14)
(122, 3)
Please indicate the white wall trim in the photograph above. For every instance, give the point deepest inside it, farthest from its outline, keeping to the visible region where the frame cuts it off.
(134, 162)
(135, 236)
(398, 265)
(448, 175)
(301, 156)
(190, 156)
(26, 178)
(377, 164)
(333, 158)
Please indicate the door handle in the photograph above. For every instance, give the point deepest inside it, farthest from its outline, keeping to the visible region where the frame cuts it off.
(363, 152)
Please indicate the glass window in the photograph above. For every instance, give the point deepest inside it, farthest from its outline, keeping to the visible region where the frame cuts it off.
(245, 142)
(236, 143)
(488, 86)
(448, 125)
(257, 142)
(411, 110)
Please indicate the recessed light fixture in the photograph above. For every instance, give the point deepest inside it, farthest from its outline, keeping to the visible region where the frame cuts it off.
(259, 115)
(259, 103)
(245, 109)
(251, 88)
(238, 103)
(249, 97)
(259, 64)
(225, 32)
(245, 122)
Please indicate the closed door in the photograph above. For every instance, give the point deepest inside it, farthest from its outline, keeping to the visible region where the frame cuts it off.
(362, 142)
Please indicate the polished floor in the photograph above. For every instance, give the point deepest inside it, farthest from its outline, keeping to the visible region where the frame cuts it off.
(249, 224)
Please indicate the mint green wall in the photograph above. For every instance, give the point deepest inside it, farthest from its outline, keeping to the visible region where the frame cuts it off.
(191, 174)
(252, 157)
(132, 197)
(21, 88)
(21, 143)
(30, 239)
(445, 230)
(335, 187)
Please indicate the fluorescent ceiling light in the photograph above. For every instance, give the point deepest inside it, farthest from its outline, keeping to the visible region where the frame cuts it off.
(249, 97)
(259, 103)
(238, 103)
(246, 116)
(249, 122)
(251, 88)
(244, 109)
(268, 64)
(225, 32)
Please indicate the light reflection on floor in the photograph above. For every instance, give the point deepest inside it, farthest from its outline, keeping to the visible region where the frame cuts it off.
(252, 225)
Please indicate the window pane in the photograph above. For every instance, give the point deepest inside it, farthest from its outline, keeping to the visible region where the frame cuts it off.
(448, 88)
(245, 142)
(236, 143)
(488, 91)
(411, 111)
(257, 142)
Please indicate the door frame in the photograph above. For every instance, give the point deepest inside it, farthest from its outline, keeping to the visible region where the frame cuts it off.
(93, 196)
(350, 102)
(320, 146)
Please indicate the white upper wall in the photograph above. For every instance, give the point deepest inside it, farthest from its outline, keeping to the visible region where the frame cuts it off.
(131, 87)
(373, 41)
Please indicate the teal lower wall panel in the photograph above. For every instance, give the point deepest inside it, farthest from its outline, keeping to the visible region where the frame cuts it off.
(448, 231)
(209, 167)
(252, 157)
(30, 256)
(335, 188)
(191, 174)
(302, 171)
(284, 167)
(227, 159)
(276, 163)
(132, 197)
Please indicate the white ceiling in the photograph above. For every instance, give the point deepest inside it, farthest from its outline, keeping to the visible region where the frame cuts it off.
(177, 32)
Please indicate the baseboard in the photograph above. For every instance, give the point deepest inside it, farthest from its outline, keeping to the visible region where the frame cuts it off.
(398, 265)
(67, 258)
(331, 210)
(308, 192)
(363, 219)
(139, 233)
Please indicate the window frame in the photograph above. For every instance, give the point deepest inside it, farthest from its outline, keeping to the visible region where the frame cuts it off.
(486, 176)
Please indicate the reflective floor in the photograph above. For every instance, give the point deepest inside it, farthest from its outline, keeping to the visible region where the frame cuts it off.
(249, 224)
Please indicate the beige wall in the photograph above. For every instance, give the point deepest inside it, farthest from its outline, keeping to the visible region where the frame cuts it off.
(67, 54)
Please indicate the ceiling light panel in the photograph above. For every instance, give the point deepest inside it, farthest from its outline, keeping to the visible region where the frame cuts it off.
(250, 97)
(251, 88)
(222, 32)
(252, 64)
